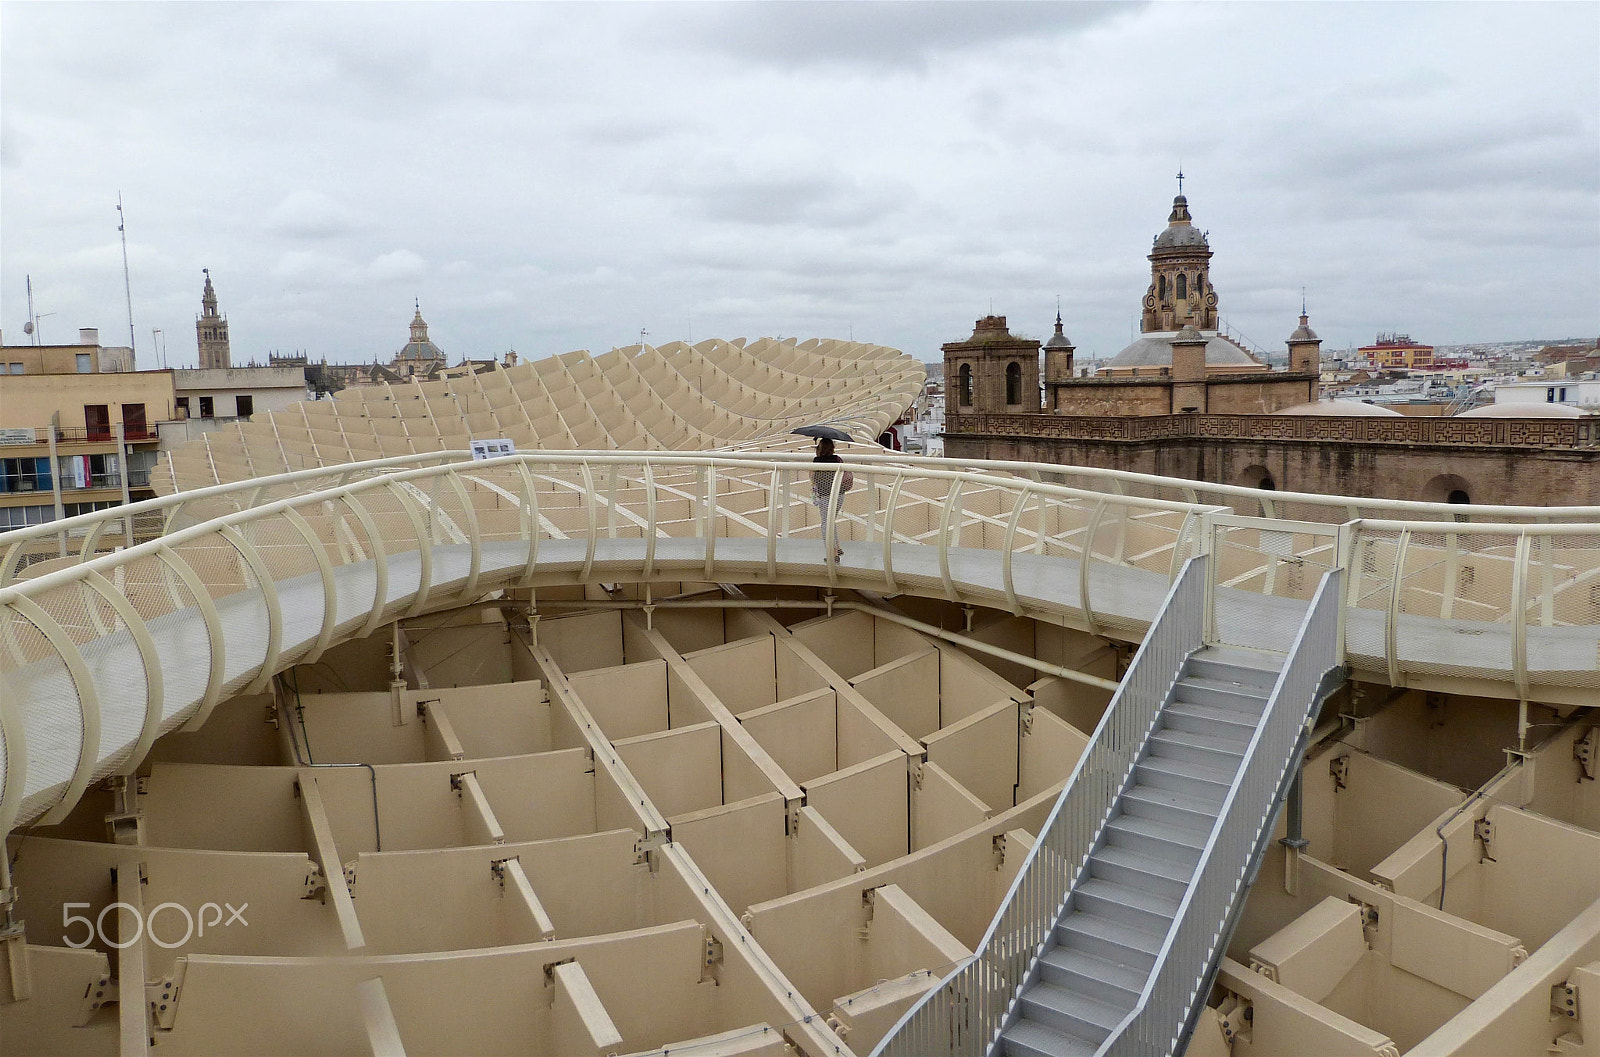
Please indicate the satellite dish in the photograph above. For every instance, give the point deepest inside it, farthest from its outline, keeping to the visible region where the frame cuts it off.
(27, 328)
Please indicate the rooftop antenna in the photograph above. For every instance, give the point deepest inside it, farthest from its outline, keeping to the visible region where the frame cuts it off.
(642, 333)
(31, 327)
(127, 285)
(1302, 300)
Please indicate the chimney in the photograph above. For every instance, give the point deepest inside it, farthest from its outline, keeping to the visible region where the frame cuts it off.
(88, 335)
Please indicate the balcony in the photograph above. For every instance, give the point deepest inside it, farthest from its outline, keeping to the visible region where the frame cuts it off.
(70, 434)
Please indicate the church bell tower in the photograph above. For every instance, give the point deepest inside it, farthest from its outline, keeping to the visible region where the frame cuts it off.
(211, 330)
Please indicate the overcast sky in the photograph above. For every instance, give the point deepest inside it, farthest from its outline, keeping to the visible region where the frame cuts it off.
(549, 177)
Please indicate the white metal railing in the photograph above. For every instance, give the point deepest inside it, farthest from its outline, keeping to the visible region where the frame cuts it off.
(54, 624)
(1157, 1023)
(964, 1012)
(1514, 607)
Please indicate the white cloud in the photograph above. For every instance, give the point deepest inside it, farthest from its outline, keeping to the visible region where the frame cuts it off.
(309, 215)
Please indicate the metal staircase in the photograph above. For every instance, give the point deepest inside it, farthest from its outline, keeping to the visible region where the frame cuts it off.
(1113, 930)
(1105, 945)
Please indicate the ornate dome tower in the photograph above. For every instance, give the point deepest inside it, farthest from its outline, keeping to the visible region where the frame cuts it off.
(1180, 291)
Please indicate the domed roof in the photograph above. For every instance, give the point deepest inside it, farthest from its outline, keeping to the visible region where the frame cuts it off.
(1155, 350)
(1342, 409)
(1181, 232)
(1058, 340)
(1304, 331)
(1524, 411)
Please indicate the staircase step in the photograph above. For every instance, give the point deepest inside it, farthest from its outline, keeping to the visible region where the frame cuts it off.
(1223, 753)
(1071, 1013)
(1027, 1038)
(1124, 866)
(1149, 837)
(1201, 718)
(1183, 776)
(1123, 902)
(1113, 940)
(1095, 977)
(1165, 805)
(1234, 668)
(1220, 693)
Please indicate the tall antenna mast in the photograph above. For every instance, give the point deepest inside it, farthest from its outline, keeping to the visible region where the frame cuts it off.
(127, 285)
(32, 327)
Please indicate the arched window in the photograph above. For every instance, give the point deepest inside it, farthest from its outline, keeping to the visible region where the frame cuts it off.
(1013, 383)
(1458, 495)
(1161, 287)
(965, 376)
(1183, 286)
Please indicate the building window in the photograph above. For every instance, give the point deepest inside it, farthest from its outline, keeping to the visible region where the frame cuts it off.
(13, 368)
(964, 377)
(206, 410)
(85, 365)
(97, 420)
(1458, 495)
(1161, 287)
(1013, 383)
(246, 405)
(183, 407)
(1183, 286)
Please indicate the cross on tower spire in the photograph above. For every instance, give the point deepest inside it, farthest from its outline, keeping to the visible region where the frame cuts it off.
(1180, 180)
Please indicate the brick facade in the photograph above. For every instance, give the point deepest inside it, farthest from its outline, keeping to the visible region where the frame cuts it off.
(1515, 462)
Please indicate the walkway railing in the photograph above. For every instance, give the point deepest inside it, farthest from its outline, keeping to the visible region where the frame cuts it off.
(962, 1015)
(1514, 608)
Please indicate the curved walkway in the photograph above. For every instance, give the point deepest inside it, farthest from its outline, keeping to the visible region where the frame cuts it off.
(218, 608)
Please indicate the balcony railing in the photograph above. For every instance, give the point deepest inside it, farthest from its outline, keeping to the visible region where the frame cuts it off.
(81, 434)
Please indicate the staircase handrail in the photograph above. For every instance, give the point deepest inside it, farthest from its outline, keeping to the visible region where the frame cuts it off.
(963, 1014)
(1160, 1018)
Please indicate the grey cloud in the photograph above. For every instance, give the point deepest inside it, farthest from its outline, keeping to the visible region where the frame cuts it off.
(883, 34)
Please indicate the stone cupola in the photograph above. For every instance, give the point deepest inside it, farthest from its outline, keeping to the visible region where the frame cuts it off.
(1180, 292)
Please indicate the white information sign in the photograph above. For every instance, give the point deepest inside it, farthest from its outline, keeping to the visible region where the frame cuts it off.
(493, 449)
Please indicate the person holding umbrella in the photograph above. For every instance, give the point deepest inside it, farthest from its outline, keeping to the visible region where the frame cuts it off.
(822, 481)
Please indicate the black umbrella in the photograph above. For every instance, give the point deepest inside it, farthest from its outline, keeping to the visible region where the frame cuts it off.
(830, 432)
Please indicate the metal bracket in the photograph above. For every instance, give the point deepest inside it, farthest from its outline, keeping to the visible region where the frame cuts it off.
(1339, 767)
(647, 849)
(1369, 913)
(1234, 1017)
(869, 903)
(998, 841)
(1586, 750)
(350, 876)
(1483, 829)
(316, 885)
(497, 868)
(712, 956)
(916, 776)
(103, 990)
(550, 970)
(1025, 719)
(163, 999)
(1564, 999)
